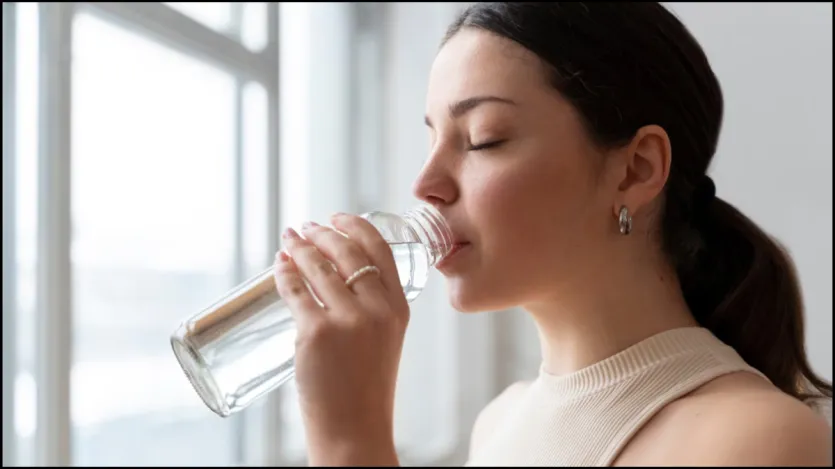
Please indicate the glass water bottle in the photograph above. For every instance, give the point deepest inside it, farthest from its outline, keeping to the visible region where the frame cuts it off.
(243, 346)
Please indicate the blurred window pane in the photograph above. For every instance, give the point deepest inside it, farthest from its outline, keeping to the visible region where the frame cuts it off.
(256, 179)
(254, 25)
(153, 221)
(26, 200)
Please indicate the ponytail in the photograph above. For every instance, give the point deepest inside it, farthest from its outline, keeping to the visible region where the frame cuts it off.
(742, 285)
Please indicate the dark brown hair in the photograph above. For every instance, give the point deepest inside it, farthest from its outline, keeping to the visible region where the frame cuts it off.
(627, 65)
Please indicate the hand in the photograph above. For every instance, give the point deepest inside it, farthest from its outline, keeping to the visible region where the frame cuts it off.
(347, 351)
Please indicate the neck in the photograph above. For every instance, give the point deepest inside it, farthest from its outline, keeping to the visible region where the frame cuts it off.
(608, 311)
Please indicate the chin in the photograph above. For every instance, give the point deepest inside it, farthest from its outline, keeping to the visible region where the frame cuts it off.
(467, 298)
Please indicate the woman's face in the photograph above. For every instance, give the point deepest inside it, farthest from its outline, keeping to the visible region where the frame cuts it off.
(514, 173)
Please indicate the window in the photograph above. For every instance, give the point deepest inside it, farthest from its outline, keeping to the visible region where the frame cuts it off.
(26, 200)
(153, 216)
(169, 207)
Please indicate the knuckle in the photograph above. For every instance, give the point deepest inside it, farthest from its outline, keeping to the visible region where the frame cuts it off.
(295, 290)
(301, 252)
(401, 315)
(285, 269)
(306, 249)
(404, 318)
(290, 288)
(322, 236)
(351, 251)
(324, 268)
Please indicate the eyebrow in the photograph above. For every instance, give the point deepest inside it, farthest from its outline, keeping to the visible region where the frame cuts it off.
(466, 105)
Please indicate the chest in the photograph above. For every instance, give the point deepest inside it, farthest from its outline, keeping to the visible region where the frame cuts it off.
(536, 432)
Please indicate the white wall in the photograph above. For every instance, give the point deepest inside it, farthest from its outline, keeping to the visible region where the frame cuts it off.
(774, 160)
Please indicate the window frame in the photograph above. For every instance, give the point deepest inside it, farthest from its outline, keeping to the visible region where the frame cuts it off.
(9, 231)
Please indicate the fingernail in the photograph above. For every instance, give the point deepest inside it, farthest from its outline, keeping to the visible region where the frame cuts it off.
(290, 233)
(309, 224)
(282, 256)
(338, 215)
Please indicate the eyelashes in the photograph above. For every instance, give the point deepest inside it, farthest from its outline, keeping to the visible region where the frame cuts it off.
(486, 145)
(480, 146)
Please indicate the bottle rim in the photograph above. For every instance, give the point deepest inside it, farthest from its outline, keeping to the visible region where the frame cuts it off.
(439, 235)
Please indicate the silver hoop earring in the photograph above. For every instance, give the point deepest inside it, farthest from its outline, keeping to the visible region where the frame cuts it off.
(624, 221)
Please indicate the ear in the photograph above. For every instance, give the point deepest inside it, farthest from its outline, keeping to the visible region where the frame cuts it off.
(645, 167)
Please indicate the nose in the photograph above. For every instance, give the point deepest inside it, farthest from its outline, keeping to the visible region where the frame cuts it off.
(436, 184)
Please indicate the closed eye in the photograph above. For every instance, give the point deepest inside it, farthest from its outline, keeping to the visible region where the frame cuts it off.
(486, 145)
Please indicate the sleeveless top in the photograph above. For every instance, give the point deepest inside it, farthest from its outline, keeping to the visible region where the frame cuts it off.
(587, 417)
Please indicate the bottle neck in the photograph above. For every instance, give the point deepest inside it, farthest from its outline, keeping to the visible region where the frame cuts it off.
(432, 231)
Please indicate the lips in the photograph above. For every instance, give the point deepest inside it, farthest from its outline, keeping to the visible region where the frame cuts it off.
(459, 241)
(456, 247)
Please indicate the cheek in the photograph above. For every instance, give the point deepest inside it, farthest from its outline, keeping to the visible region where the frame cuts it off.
(533, 229)
(531, 204)
(513, 212)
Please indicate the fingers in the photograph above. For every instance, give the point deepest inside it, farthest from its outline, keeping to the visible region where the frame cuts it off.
(318, 270)
(291, 286)
(347, 255)
(374, 246)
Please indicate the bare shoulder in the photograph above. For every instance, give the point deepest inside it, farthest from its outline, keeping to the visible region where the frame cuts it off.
(492, 413)
(738, 419)
(766, 428)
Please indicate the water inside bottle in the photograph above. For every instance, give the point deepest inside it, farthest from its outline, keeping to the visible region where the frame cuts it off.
(254, 350)
(412, 260)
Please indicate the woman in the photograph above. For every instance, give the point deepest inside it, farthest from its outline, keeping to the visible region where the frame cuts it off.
(569, 150)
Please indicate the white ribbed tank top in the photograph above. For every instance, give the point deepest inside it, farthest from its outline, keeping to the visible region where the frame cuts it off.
(586, 418)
